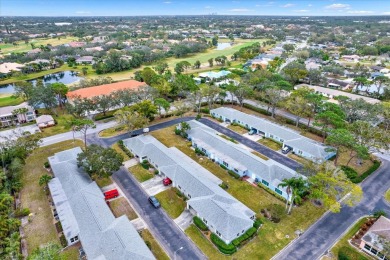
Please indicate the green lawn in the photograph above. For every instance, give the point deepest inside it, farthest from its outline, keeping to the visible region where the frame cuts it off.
(343, 242)
(40, 229)
(62, 118)
(156, 249)
(23, 47)
(272, 236)
(238, 129)
(270, 144)
(171, 203)
(102, 182)
(140, 173)
(207, 248)
(387, 195)
(121, 206)
(120, 151)
(10, 101)
(71, 253)
(260, 155)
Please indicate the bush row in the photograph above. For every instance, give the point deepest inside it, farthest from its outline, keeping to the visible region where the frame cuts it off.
(109, 114)
(222, 246)
(273, 193)
(145, 164)
(257, 223)
(247, 235)
(257, 109)
(234, 174)
(353, 175)
(124, 149)
(200, 224)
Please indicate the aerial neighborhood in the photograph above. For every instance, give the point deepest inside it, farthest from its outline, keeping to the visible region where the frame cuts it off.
(243, 131)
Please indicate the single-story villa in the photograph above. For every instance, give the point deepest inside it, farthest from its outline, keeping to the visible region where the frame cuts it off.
(239, 160)
(222, 213)
(300, 145)
(45, 121)
(85, 216)
(85, 60)
(376, 238)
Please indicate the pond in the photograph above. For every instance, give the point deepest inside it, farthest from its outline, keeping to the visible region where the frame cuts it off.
(223, 45)
(65, 77)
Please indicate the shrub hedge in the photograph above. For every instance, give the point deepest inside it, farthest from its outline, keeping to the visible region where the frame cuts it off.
(234, 174)
(257, 109)
(46, 164)
(223, 167)
(257, 223)
(200, 224)
(124, 149)
(145, 164)
(354, 177)
(220, 244)
(22, 212)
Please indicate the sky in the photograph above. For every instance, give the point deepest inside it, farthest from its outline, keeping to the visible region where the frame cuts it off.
(193, 7)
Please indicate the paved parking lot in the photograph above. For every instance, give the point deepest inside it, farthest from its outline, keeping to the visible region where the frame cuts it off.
(154, 185)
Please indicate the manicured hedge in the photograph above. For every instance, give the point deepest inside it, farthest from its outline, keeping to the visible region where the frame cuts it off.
(251, 232)
(224, 248)
(124, 149)
(223, 167)
(145, 164)
(205, 110)
(257, 223)
(234, 174)
(354, 177)
(240, 239)
(109, 114)
(200, 224)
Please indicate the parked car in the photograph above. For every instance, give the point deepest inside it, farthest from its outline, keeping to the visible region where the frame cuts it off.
(167, 181)
(154, 202)
(286, 149)
(111, 194)
(252, 132)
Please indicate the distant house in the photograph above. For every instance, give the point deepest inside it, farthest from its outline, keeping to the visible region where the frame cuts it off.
(377, 68)
(338, 84)
(211, 75)
(45, 121)
(85, 60)
(85, 216)
(378, 234)
(353, 58)
(76, 44)
(92, 49)
(239, 160)
(12, 115)
(222, 213)
(105, 89)
(300, 145)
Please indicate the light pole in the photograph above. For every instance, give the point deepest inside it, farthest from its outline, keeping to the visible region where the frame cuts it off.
(174, 254)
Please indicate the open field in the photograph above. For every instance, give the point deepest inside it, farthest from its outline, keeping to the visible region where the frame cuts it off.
(121, 206)
(156, 249)
(23, 47)
(171, 203)
(40, 230)
(272, 236)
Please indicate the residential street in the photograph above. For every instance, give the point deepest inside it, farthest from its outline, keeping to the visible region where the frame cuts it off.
(325, 232)
(161, 226)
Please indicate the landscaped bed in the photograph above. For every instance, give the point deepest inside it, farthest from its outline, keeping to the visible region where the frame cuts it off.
(272, 236)
(171, 202)
(121, 206)
(140, 173)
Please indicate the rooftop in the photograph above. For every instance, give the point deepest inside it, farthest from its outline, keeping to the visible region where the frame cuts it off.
(105, 89)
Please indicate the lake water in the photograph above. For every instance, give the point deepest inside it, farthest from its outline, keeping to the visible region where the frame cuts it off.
(222, 46)
(65, 77)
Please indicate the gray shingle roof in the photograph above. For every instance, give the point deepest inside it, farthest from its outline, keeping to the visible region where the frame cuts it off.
(290, 137)
(207, 198)
(81, 207)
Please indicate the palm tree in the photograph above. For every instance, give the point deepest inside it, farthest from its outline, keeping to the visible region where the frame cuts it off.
(44, 180)
(297, 188)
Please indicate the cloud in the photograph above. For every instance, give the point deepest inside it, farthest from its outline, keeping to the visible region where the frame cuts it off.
(239, 10)
(309, 5)
(337, 6)
(386, 13)
(167, 2)
(287, 5)
(208, 7)
(83, 12)
(359, 12)
(301, 11)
